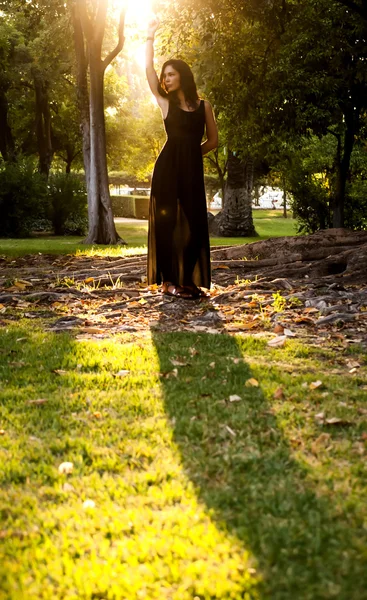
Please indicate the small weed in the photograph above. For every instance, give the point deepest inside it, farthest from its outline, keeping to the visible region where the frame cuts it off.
(279, 302)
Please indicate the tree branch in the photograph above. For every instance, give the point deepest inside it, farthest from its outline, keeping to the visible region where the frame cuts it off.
(85, 21)
(361, 10)
(100, 22)
(120, 44)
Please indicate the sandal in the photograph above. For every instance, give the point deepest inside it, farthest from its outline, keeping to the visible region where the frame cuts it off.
(195, 291)
(170, 289)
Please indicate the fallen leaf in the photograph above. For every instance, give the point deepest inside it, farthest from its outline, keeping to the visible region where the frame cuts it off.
(252, 383)
(38, 401)
(322, 440)
(92, 330)
(212, 365)
(230, 431)
(193, 351)
(314, 385)
(122, 373)
(289, 333)
(353, 364)
(173, 373)
(277, 342)
(235, 398)
(320, 416)
(67, 487)
(336, 421)
(278, 328)
(97, 415)
(177, 363)
(25, 283)
(278, 394)
(59, 371)
(89, 280)
(66, 468)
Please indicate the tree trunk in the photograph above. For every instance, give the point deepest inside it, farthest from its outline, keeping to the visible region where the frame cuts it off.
(101, 223)
(235, 219)
(284, 198)
(43, 126)
(91, 28)
(82, 92)
(7, 146)
(342, 168)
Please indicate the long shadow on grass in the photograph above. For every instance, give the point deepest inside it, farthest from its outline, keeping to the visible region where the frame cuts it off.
(243, 470)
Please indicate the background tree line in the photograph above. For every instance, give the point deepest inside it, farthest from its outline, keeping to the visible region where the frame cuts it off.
(287, 79)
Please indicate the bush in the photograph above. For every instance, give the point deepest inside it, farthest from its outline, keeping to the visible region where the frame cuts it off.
(68, 208)
(131, 206)
(23, 198)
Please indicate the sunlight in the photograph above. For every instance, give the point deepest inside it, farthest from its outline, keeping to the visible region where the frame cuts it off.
(138, 15)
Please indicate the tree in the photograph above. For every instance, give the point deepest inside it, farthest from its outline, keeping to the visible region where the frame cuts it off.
(281, 70)
(89, 30)
(235, 219)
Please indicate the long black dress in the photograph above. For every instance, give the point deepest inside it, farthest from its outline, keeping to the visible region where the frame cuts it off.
(178, 239)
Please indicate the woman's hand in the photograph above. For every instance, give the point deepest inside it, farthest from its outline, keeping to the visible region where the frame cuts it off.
(153, 26)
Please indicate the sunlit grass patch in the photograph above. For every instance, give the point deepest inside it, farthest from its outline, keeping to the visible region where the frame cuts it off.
(177, 491)
(267, 224)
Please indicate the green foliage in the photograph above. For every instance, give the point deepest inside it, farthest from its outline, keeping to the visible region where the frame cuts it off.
(67, 204)
(23, 198)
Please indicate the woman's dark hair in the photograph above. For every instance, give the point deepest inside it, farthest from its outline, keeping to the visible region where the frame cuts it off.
(187, 83)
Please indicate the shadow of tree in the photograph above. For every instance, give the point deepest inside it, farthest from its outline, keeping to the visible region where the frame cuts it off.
(244, 471)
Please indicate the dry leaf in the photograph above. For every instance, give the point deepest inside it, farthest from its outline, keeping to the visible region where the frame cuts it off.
(289, 333)
(38, 401)
(320, 416)
(314, 385)
(67, 487)
(278, 328)
(92, 330)
(193, 351)
(122, 373)
(278, 394)
(336, 421)
(25, 283)
(89, 280)
(177, 363)
(59, 371)
(66, 468)
(321, 441)
(252, 383)
(235, 398)
(97, 415)
(230, 431)
(212, 365)
(277, 342)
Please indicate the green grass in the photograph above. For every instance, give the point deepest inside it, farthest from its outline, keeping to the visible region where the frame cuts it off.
(268, 223)
(195, 497)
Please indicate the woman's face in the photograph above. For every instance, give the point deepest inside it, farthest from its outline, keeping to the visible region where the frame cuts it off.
(171, 79)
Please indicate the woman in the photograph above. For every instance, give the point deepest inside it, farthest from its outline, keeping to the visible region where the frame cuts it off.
(178, 240)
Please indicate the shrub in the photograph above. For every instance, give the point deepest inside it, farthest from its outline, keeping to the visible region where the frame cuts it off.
(23, 198)
(68, 209)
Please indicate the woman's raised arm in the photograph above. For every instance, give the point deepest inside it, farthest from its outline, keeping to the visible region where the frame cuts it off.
(149, 67)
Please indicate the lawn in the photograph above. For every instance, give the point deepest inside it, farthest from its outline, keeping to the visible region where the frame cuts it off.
(268, 223)
(176, 492)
